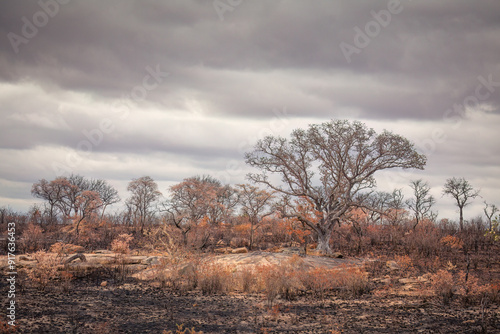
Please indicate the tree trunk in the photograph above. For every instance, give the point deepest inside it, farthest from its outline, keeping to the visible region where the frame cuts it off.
(324, 241)
(185, 237)
(461, 219)
(102, 213)
(251, 236)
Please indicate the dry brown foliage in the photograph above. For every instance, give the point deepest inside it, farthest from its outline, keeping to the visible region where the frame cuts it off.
(45, 270)
(215, 278)
(121, 244)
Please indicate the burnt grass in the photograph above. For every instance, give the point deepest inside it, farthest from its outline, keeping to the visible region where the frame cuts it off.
(140, 307)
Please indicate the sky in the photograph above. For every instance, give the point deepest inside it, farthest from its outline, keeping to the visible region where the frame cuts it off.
(121, 89)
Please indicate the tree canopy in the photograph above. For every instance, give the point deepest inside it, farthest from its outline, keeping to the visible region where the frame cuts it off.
(332, 166)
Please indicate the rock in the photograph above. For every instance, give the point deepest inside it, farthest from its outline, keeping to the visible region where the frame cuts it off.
(100, 258)
(188, 270)
(102, 251)
(148, 274)
(241, 250)
(152, 261)
(424, 278)
(224, 250)
(392, 265)
(408, 280)
(386, 281)
(104, 283)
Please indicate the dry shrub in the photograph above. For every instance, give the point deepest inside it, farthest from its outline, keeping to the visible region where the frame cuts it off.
(269, 281)
(281, 280)
(168, 274)
(405, 264)
(443, 285)
(452, 242)
(66, 279)
(45, 270)
(353, 280)
(248, 280)
(215, 278)
(32, 238)
(493, 292)
(318, 281)
(424, 241)
(121, 244)
(178, 270)
(375, 267)
(469, 287)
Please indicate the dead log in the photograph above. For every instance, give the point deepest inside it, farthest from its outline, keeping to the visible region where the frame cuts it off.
(74, 257)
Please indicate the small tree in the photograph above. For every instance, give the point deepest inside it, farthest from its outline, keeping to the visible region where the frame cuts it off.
(87, 204)
(421, 204)
(256, 204)
(332, 165)
(195, 199)
(143, 200)
(489, 211)
(462, 191)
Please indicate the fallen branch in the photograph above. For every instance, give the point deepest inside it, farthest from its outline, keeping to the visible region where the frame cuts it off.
(74, 257)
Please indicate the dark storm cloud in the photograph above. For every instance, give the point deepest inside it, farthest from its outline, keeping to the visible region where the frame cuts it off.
(228, 74)
(433, 51)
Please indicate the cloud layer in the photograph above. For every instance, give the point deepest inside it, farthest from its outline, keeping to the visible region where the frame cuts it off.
(121, 89)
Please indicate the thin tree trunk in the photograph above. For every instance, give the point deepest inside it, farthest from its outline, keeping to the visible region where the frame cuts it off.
(251, 235)
(461, 220)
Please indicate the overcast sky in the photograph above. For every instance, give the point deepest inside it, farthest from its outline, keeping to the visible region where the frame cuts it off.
(120, 89)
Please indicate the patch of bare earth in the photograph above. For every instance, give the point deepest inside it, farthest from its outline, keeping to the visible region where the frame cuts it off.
(395, 305)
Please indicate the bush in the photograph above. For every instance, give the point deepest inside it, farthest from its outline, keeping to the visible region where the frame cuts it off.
(318, 281)
(443, 285)
(270, 281)
(215, 278)
(469, 287)
(248, 280)
(354, 280)
(33, 239)
(45, 270)
(121, 244)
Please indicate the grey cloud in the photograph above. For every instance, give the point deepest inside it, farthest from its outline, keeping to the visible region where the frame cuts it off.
(263, 56)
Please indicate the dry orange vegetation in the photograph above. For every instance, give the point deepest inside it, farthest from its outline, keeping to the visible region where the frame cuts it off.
(392, 278)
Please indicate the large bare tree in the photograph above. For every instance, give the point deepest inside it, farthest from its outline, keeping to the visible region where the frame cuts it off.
(462, 191)
(332, 166)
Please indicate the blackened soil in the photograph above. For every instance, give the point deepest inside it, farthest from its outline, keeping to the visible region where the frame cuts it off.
(141, 308)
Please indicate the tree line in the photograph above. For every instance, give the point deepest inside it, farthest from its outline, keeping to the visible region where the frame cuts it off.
(327, 178)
